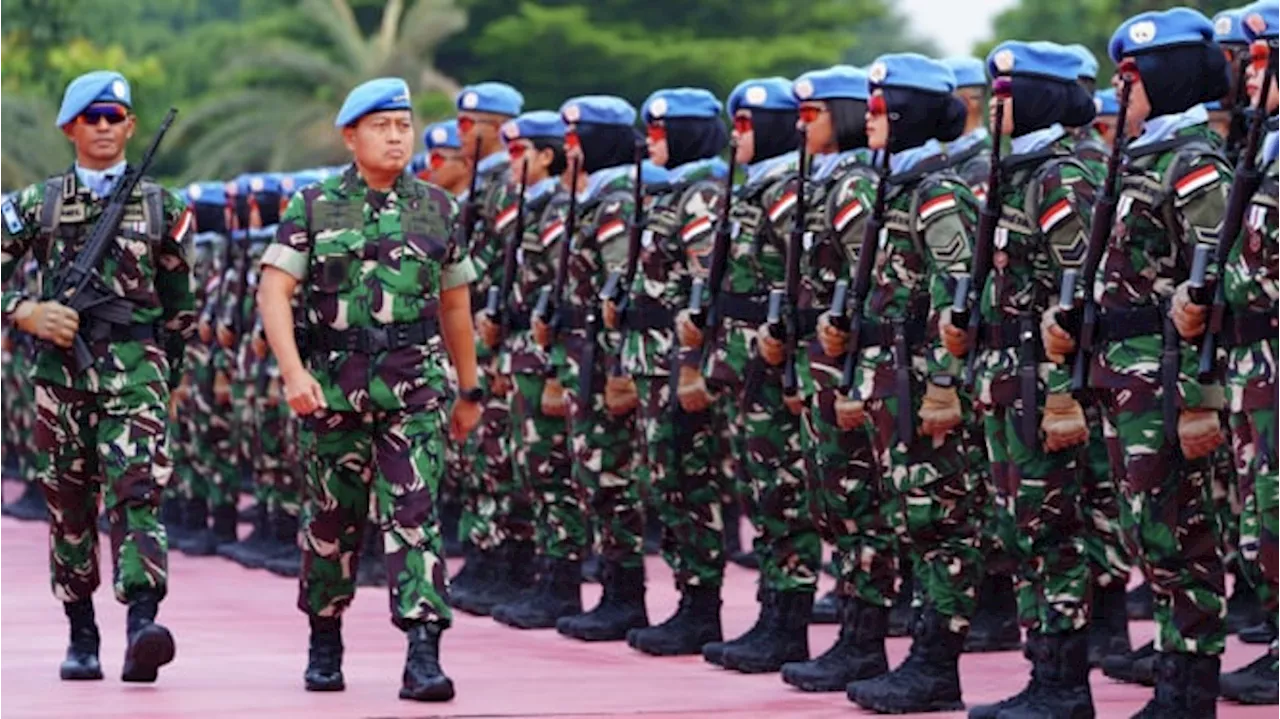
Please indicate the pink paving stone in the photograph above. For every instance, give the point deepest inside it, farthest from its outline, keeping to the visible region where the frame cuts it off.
(242, 648)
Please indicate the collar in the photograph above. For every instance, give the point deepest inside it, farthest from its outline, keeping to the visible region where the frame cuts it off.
(493, 161)
(974, 137)
(1270, 146)
(354, 185)
(712, 166)
(900, 162)
(101, 182)
(1158, 129)
(823, 165)
(540, 188)
(758, 170)
(600, 179)
(1036, 140)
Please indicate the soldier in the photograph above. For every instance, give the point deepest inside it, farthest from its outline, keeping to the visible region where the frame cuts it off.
(20, 409)
(1250, 339)
(447, 165)
(929, 221)
(1104, 101)
(1161, 423)
(102, 428)
(385, 281)
(1230, 122)
(1089, 144)
(1044, 198)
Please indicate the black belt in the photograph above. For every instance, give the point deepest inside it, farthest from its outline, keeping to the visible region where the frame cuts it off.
(1116, 325)
(518, 321)
(371, 340)
(881, 334)
(1005, 335)
(1247, 327)
(100, 331)
(648, 316)
(571, 318)
(752, 308)
(809, 320)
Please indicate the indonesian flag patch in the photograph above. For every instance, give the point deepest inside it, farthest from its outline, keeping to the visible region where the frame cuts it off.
(610, 230)
(784, 203)
(941, 203)
(1196, 179)
(1056, 213)
(183, 225)
(504, 219)
(695, 229)
(847, 214)
(551, 233)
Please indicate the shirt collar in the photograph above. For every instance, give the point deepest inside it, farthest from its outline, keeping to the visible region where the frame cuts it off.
(601, 178)
(1036, 140)
(824, 165)
(1159, 129)
(903, 161)
(974, 137)
(712, 165)
(492, 161)
(101, 182)
(758, 170)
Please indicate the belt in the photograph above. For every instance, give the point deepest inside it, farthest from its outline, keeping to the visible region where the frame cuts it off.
(881, 334)
(571, 318)
(648, 316)
(371, 340)
(100, 331)
(1247, 327)
(1116, 325)
(752, 308)
(1005, 334)
(809, 320)
(518, 321)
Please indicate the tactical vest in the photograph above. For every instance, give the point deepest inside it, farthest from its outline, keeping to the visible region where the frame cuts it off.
(63, 213)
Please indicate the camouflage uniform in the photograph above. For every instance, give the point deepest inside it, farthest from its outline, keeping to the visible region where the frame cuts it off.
(107, 424)
(373, 266)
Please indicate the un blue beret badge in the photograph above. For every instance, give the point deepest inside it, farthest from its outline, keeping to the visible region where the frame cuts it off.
(756, 95)
(1004, 61)
(877, 72)
(572, 113)
(658, 107)
(804, 89)
(1142, 32)
(470, 101)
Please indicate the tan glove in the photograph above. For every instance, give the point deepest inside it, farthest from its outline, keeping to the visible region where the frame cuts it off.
(692, 390)
(221, 389)
(795, 403)
(225, 337)
(1057, 343)
(850, 413)
(488, 330)
(541, 332)
(954, 339)
(499, 384)
(1188, 316)
(1199, 432)
(555, 401)
(771, 350)
(834, 341)
(51, 321)
(205, 330)
(621, 396)
(689, 334)
(940, 411)
(1063, 423)
(609, 314)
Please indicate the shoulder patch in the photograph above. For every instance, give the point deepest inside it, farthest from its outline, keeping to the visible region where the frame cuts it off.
(610, 230)
(504, 219)
(12, 221)
(784, 203)
(939, 204)
(551, 233)
(1196, 179)
(1055, 214)
(696, 229)
(847, 214)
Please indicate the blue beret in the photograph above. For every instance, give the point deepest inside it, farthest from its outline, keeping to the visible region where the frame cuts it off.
(598, 110)
(496, 97)
(969, 71)
(1149, 31)
(255, 182)
(91, 87)
(1214, 106)
(206, 193)
(1227, 28)
(292, 182)
(442, 134)
(540, 123)
(1047, 60)
(681, 102)
(418, 163)
(1105, 102)
(911, 71)
(765, 93)
(1088, 61)
(1261, 20)
(839, 81)
(384, 93)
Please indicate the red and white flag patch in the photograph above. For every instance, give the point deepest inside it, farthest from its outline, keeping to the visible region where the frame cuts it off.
(695, 229)
(847, 214)
(1196, 179)
(784, 203)
(183, 225)
(610, 230)
(941, 203)
(1056, 213)
(504, 219)
(551, 233)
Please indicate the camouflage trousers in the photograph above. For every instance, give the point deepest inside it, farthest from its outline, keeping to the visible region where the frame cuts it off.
(1170, 524)
(1105, 545)
(217, 459)
(604, 463)
(543, 467)
(850, 505)
(786, 541)
(1253, 444)
(686, 480)
(1044, 490)
(111, 445)
(383, 466)
(20, 414)
(938, 518)
(276, 459)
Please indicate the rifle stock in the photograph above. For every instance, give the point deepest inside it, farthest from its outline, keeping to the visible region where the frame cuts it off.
(862, 271)
(710, 320)
(795, 247)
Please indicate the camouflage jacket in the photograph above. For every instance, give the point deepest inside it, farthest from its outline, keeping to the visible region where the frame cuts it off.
(148, 267)
(1046, 200)
(970, 158)
(367, 259)
(494, 188)
(679, 231)
(545, 207)
(931, 216)
(1171, 199)
(1252, 285)
(1092, 151)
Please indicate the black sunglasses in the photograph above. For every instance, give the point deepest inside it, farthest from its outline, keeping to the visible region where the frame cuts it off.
(113, 114)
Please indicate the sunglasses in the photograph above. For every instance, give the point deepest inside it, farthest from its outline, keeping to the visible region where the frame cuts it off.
(466, 123)
(742, 125)
(571, 140)
(113, 114)
(438, 160)
(809, 113)
(876, 105)
(657, 133)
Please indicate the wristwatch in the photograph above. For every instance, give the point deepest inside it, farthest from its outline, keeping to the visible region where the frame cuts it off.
(474, 394)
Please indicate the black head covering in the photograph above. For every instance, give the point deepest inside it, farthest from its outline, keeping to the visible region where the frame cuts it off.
(694, 138)
(775, 133)
(922, 116)
(1039, 102)
(1179, 77)
(849, 119)
(606, 145)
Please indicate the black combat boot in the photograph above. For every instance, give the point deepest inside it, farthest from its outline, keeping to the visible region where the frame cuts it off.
(747, 559)
(171, 514)
(557, 594)
(286, 558)
(1059, 686)
(1186, 687)
(593, 568)
(995, 625)
(1263, 632)
(324, 656)
(1136, 667)
(1140, 602)
(826, 610)
(903, 613)
(928, 680)
(857, 654)
(787, 639)
(195, 519)
(695, 624)
(30, 506)
(423, 680)
(514, 571)
(450, 516)
(620, 610)
(713, 652)
(478, 571)
(732, 514)
(1108, 624)
(652, 533)
(150, 644)
(372, 571)
(250, 551)
(1243, 607)
(82, 653)
(221, 531)
(1253, 684)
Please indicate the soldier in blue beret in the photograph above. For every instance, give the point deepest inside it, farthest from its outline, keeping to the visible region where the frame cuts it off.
(1230, 32)
(1104, 121)
(370, 378)
(482, 108)
(447, 165)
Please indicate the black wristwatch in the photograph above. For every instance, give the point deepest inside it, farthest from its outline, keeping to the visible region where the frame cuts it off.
(475, 394)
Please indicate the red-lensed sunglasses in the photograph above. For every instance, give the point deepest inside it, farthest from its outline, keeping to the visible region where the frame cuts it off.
(437, 160)
(809, 113)
(657, 133)
(1259, 53)
(571, 140)
(113, 114)
(742, 124)
(876, 105)
(466, 123)
(516, 150)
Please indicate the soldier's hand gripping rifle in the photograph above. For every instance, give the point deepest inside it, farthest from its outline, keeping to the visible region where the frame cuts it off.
(498, 303)
(708, 293)
(789, 323)
(551, 301)
(862, 272)
(1083, 322)
(1245, 183)
(80, 287)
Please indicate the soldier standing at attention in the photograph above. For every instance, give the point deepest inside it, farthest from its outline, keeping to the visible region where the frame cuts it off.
(384, 281)
(101, 430)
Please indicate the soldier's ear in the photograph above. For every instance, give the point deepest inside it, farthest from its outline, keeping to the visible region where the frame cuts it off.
(349, 137)
(130, 126)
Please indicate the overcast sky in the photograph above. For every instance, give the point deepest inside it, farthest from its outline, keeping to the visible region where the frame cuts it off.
(954, 24)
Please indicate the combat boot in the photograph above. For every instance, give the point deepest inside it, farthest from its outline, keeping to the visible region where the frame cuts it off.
(324, 656)
(195, 519)
(423, 680)
(286, 559)
(372, 571)
(450, 517)
(826, 610)
(82, 653)
(652, 533)
(221, 531)
(514, 571)
(150, 645)
(1059, 687)
(994, 627)
(1108, 624)
(928, 680)
(250, 551)
(1140, 602)
(1243, 607)
(732, 515)
(857, 654)
(1263, 632)
(746, 559)
(1186, 687)
(903, 613)
(171, 514)
(557, 594)
(30, 506)
(713, 652)
(1136, 667)
(478, 571)
(695, 623)
(1254, 683)
(787, 638)
(620, 610)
